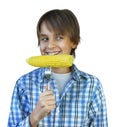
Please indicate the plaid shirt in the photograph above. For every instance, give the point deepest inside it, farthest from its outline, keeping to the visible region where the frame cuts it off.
(82, 103)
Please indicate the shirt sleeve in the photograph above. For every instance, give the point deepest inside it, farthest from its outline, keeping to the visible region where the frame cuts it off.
(20, 110)
(98, 110)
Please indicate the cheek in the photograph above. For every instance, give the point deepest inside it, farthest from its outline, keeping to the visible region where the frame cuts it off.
(63, 45)
(42, 48)
(66, 48)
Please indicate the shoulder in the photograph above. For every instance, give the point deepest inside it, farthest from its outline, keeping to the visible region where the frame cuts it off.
(93, 85)
(86, 79)
(24, 81)
(84, 75)
(34, 73)
(31, 74)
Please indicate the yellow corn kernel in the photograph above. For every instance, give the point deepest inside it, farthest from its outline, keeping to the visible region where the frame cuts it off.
(63, 60)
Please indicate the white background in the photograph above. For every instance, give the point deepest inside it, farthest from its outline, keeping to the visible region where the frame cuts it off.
(98, 53)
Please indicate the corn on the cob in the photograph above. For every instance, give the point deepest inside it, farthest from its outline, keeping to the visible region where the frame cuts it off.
(63, 60)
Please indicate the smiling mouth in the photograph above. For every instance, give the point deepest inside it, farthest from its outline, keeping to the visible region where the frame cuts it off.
(53, 53)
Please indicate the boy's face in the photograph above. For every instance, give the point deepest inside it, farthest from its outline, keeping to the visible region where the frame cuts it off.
(54, 43)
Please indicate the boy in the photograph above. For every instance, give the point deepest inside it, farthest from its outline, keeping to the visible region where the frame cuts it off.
(76, 98)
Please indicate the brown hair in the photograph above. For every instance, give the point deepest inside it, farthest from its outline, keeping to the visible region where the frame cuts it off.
(62, 21)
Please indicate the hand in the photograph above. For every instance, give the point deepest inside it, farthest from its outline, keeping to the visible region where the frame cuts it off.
(44, 106)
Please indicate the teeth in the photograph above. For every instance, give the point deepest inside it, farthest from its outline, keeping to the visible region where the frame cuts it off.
(52, 53)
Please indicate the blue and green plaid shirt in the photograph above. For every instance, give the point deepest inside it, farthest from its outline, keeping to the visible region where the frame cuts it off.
(82, 103)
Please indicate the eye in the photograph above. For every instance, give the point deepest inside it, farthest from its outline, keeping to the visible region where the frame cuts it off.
(44, 39)
(58, 38)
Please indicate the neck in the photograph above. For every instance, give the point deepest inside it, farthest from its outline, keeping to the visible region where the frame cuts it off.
(61, 70)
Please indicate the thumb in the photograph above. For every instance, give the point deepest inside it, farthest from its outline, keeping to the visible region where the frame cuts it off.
(47, 87)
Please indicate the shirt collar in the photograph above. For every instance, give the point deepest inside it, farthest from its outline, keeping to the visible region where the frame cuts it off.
(77, 74)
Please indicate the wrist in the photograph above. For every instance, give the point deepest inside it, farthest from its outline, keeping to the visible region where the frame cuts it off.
(33, 121)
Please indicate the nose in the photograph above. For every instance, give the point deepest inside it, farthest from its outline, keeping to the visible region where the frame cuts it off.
(51, 43)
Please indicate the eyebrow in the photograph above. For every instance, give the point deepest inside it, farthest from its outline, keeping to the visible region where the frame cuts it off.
(41, 34)
(58, 34)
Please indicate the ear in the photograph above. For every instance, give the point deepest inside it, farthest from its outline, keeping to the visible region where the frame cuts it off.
(74, 46)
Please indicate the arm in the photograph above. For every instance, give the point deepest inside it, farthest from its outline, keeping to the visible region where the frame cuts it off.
(21, 114)
(44, 106)
(98, 110)
(19, 111)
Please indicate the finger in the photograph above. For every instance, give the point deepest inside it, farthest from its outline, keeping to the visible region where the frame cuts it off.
(49, 87)
(42, 104)
(46, 93)
(50, 100)
(48, 109)
(46, 88)
(51, 107)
